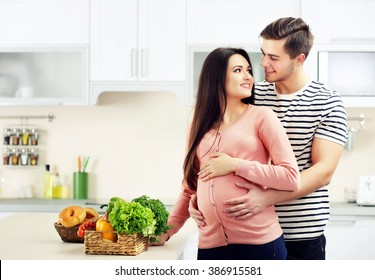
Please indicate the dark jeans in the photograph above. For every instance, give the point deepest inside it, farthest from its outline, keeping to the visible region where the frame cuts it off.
(314, 249)
(274, 250)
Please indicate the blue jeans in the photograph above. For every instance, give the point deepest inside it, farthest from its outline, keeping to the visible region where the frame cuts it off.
(313, 249)
(274, 250)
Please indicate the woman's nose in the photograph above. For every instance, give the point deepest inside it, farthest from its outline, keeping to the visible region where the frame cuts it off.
(248, 76)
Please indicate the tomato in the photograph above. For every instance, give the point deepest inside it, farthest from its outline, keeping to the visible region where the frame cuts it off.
(85, 226)
(81, 232)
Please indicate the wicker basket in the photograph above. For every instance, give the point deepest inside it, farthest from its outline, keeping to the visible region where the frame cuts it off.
(68, 234)
(127, 244)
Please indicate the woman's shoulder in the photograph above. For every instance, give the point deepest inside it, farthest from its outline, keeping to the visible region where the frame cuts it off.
(263, 114)
(258, 109)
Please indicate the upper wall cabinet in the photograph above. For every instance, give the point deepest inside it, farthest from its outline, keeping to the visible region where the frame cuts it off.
(43, 76)
(137, 45)
(44, 52)
(41, 22)
(238, 22)
(340, 21)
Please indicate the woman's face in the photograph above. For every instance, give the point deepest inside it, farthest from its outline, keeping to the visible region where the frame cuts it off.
(238, 82)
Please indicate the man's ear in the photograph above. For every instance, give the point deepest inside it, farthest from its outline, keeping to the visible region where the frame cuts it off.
(300, 58)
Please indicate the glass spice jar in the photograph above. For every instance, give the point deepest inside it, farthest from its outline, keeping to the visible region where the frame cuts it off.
(24, 156)
(15, 136)
(25, 137)
(6, 153)
(34, 137)
(7, 133)
(33, 156)
(14, 156)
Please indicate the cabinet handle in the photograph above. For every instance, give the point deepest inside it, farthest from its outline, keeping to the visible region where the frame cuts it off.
(134, 62)
(144, 62)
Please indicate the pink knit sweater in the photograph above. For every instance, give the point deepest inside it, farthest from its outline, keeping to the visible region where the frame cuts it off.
(256, 138)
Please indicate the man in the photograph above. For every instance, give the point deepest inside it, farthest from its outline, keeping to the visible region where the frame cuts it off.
(315, 120)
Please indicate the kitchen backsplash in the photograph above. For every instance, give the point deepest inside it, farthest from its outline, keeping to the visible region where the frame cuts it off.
(136, 144)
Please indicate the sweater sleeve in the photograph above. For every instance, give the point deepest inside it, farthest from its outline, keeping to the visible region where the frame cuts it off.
(180, 211)
(282, 173)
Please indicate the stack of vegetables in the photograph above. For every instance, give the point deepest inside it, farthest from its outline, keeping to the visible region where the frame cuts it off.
(142, 215)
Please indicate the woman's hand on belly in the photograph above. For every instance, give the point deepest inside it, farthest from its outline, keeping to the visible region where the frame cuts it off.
(219, 164)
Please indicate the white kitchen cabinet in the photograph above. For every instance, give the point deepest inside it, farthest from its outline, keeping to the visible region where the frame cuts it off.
(137, 40)
(44, 52)
(237, 22)
(113, 40)
(136, 45)
(340, 21)
(44, 75)
(350, 237)
(41, 22)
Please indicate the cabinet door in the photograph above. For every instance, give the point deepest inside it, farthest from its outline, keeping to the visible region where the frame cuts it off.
(234, 22)
(113, 40)
(350, 238)
(41, 76)
(44, 22)
(338, 21)
(161, 52)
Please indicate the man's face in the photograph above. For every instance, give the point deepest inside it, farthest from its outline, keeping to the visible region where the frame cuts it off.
(277, 64)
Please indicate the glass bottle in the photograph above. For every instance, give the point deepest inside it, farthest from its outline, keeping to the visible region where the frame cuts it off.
(56, 186)
(47, 183)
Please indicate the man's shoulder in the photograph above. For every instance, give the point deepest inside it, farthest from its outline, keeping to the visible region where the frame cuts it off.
(320, 88)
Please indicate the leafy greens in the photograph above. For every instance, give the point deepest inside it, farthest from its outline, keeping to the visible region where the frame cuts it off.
(132, 217)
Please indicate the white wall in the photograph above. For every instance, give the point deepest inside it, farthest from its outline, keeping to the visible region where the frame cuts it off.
(136, 143)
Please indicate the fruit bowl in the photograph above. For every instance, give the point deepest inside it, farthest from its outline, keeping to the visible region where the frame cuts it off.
(68, 234)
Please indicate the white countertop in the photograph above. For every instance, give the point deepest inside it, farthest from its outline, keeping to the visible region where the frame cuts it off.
(56, 205)
(45, 205)
(32, 236)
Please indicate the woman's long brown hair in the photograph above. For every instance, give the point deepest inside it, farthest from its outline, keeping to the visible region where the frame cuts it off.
(210, 105)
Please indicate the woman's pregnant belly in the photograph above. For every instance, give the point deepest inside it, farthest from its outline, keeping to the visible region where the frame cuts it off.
(213, 193)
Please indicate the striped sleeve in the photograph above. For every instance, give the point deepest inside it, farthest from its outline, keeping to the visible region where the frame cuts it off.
(333, 124)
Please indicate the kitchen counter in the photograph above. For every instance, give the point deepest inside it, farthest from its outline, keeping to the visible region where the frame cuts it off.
(56, 205)
(345, 208)
(45, 205)
(32, 236)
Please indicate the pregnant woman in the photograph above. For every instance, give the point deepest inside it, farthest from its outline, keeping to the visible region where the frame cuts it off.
(231, 140)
